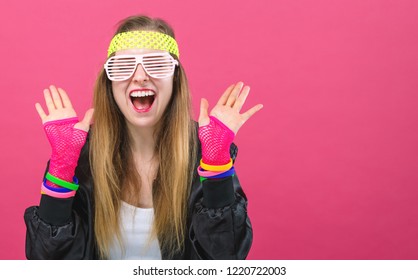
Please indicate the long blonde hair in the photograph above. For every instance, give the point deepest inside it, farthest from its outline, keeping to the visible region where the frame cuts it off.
(112, 160)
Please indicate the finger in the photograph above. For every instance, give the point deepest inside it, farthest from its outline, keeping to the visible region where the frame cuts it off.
(48, 101)
(66, 102)
(234, 94)
(40, 111)
(86, 122)
(225, 95)
(56, 97)
(203, 115)
(241, 98)
(252, 111)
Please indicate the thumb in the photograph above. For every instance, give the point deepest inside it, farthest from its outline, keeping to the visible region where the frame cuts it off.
(203, 116)
(87, 120)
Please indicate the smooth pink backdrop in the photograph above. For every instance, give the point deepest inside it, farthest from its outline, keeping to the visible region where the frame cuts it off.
(329, 165)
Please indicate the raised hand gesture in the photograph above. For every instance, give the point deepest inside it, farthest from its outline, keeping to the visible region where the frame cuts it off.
(228, 108)
(217, 130)
(65, 133)
(59, 108)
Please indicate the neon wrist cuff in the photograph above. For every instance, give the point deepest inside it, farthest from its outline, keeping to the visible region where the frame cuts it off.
(51, 188)
(216, 167)
(57, 194)
(72, 186)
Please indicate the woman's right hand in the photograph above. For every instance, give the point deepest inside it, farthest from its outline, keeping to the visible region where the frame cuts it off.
(59, 107)
(65, 133)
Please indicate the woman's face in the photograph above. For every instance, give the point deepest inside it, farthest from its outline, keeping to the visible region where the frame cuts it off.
(141, 98)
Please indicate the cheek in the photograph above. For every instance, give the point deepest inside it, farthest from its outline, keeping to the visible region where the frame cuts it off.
(118, 93)
(118, 88)
(167, 89)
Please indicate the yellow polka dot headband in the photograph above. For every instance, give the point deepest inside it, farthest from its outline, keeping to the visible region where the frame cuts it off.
(143, 40)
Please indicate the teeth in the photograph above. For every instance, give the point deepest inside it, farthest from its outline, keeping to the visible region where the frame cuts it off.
(141, 93)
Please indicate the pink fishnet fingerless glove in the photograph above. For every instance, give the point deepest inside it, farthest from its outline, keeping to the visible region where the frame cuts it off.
(216, 139)
(66, 143)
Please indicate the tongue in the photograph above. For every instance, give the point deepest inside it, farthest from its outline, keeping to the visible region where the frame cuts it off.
(142, 103)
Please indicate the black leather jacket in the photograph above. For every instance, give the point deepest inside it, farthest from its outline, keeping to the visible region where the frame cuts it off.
(218, 225)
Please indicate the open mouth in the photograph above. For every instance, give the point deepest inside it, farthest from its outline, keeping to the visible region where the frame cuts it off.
(142, 100)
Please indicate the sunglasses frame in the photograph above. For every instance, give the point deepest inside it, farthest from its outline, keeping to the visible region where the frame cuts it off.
(139, 59)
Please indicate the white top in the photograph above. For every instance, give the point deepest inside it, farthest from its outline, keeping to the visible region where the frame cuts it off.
(136, 225)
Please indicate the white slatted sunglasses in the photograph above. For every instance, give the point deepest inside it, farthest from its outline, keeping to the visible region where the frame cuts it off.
(156, 65)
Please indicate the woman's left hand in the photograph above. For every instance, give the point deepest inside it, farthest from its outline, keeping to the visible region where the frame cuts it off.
(228, 108)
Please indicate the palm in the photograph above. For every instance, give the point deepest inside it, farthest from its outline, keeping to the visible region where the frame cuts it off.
(59, 107)
(228, 108)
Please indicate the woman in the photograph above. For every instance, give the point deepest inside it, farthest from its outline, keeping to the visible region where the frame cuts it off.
(146, 181)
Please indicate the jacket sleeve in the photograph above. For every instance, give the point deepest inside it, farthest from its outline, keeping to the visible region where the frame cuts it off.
(61, 228)
(220, 227)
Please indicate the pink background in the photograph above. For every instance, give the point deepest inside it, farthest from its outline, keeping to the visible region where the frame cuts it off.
(329, 165)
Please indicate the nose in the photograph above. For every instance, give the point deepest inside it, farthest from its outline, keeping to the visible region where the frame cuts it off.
(140, 75)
